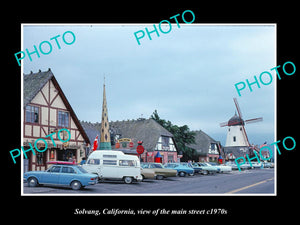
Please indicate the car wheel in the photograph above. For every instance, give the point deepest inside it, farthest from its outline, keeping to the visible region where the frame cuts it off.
(75, 185)
(32, 182)
(159, 177)
(204, 172)
(128, 180)
(182, 174)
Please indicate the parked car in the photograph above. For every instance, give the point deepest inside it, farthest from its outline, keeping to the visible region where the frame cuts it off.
(206, 169)
(221, 167)
(62, 174)
(160, 171)
(235, 167)
(147, 173)
(182, 169)
(256, 165)
(267, 165)
(232, 165)
(247, 165)
(114, 165)
(196, 168)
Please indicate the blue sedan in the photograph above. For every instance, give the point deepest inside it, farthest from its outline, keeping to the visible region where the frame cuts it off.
(64, 175)
(182, 169)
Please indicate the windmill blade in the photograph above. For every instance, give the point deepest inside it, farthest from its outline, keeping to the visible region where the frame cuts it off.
(255, 120)
(238, 107)
(224, 124)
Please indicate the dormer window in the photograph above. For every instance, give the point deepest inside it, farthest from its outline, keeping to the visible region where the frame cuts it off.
(165, 141)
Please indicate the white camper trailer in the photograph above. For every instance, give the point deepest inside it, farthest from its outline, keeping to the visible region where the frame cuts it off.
(109, 164)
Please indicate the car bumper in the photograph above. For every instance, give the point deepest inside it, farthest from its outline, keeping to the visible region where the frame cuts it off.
(139, 178)
(92, 182)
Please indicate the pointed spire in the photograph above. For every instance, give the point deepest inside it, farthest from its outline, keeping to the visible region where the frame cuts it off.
(105, 135)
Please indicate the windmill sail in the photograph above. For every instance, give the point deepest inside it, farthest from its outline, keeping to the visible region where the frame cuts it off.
(224, 124)
(259, 119)
(237, 107)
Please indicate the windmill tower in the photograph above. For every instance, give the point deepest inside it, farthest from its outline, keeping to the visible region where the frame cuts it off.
(236, 134)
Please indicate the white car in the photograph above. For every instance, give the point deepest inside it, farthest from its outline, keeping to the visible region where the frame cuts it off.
(222, 168)
(256, 165)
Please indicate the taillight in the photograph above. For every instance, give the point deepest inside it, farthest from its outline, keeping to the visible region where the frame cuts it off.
(93, 178)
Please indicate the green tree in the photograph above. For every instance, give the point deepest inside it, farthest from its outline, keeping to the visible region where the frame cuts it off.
(182, 136)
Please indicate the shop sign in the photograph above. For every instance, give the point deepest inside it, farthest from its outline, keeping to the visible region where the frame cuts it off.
(124, 143)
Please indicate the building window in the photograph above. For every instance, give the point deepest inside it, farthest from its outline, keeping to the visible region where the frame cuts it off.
(32, 114)
(40, 158)
(165, 141)
(212, 146)
(63, 119)
(234, 139)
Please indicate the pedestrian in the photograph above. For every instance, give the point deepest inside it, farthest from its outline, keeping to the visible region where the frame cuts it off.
(83, 161)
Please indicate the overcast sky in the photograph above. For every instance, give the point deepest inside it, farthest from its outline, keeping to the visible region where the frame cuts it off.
(188, 75)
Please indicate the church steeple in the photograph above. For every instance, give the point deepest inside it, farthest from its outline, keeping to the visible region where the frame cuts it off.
(105, 135)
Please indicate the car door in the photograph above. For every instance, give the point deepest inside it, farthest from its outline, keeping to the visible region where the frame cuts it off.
(52, 176)
(67, 175)
(110, 169)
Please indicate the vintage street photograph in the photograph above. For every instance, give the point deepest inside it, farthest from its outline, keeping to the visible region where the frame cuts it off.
(170, 108)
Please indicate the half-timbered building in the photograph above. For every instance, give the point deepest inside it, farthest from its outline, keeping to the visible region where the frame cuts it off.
(207, 149)
(46, 111)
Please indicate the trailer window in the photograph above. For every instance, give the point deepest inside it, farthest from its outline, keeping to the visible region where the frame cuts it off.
(127, 163)
(110, 156)
(94, 161)
(110, 162)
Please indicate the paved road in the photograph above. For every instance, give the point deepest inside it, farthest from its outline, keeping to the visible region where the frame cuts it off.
(260, 181)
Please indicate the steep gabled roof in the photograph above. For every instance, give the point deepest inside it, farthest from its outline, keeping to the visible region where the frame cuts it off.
(34, 82)
(202, 142)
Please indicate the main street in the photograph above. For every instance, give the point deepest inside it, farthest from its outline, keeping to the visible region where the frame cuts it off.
(259, 181)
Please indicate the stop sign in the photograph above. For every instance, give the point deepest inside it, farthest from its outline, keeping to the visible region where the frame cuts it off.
(140, 149)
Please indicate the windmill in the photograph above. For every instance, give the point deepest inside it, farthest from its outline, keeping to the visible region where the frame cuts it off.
(236, 135)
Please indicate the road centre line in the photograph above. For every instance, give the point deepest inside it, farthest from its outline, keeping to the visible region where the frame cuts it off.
(252, 185)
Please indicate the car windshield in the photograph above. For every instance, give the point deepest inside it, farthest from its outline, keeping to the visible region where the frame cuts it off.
(81, 169)
(188, 165)
(144, 166)
(171, 165)
(156, 166)
(203, 164)
(54, 169)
